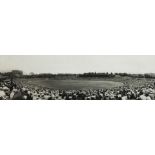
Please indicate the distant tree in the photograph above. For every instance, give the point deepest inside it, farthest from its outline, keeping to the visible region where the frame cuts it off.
(17, 73)
(31, 73)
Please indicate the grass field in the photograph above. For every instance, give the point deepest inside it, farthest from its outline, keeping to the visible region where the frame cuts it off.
(72, 84)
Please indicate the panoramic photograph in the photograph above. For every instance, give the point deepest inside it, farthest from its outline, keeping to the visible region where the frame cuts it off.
(77, 77)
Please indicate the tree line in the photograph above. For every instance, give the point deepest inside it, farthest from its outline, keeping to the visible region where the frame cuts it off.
(20, 74)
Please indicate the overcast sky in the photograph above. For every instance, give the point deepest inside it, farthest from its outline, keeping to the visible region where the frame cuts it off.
(78, 64)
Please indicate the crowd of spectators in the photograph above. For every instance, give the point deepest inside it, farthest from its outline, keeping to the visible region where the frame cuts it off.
(11, 91)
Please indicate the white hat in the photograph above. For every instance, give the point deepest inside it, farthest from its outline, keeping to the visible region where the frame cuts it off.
(5, 88)
(23, 89)
(15, 90)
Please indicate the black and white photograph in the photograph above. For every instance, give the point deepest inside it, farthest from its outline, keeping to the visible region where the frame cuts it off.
(77, 77)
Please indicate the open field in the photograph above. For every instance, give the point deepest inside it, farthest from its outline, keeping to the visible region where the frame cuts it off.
(71, 84)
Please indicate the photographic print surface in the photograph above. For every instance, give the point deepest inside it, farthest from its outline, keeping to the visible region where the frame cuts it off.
(77, 77)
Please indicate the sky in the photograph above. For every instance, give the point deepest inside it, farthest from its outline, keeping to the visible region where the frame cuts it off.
(78, 63)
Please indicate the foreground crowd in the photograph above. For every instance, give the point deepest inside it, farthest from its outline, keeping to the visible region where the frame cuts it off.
(10, 91)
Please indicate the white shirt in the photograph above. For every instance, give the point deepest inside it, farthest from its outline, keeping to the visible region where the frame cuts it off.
(11, 95)
(142, 97)
(2, 93)
(148, 98)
